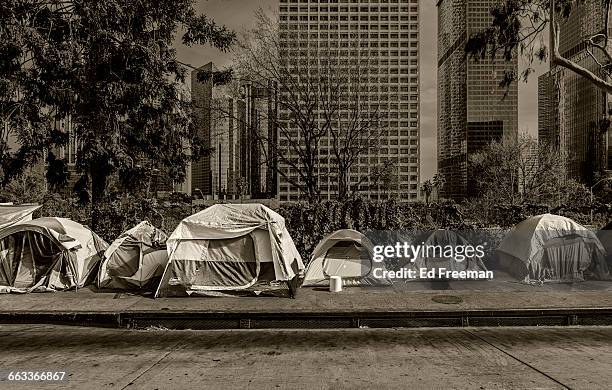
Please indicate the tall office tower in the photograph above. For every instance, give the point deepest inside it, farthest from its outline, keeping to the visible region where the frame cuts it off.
(240, 132)
(573, 110)
(257, 139)
(382, 38)
(473, 109)
(201, 97)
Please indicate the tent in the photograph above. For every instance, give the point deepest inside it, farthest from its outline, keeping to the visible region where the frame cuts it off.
(439, 251)
(10, 214)
(605, 236)
(48, 254)
(229, 247)
(549, 247)
(135, 260)
(348, 254)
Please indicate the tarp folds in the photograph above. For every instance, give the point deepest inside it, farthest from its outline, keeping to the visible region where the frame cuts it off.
(10, 215)
(229, 247)
(434, 255)
(135, 260)
(48, 254)
(348, 254)
(549, 247)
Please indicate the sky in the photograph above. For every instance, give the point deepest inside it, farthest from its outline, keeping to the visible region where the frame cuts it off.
(238, 15)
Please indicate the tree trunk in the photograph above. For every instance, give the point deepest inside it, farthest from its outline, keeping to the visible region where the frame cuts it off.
(342, 184)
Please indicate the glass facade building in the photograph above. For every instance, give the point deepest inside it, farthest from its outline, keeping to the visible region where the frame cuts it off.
(573, 112)
(473, 109)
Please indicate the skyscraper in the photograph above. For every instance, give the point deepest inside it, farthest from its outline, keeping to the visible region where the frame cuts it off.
(382, 38)
(473, 109)
(202, 100)
(572, 112)
(232, 127)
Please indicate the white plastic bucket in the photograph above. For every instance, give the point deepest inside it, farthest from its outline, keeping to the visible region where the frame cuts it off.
(335, 284)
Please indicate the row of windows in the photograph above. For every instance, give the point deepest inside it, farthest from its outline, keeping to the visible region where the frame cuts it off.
(346, 18)
(347, 1)
(311, 68)
(285, 184)
(363, 53)
(392, 132)
(362, 27)
(346, 44)
(362, 61)
(391, 141)
(367, 160)
(336, 36)
(293, 157)
(381, 80)
(314, 8)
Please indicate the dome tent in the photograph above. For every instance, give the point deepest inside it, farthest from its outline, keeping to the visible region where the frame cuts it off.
(435, 244)
(229, 247)
(135, 260)
(549, 247)
(48, 254)
(345, 253)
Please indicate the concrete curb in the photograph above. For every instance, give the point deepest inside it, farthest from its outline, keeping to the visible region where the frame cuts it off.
(208, 320)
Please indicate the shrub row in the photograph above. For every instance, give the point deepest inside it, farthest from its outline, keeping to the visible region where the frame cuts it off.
(308, 223)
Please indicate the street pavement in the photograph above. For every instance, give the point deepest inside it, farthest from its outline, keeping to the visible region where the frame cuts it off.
(472, 358)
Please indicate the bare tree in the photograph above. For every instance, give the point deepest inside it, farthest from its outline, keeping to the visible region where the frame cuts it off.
(324, 125)
(521, 172)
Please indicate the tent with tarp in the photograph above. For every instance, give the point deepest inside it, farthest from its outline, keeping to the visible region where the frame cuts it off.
(446, 249)
(10, 214)
(135, 260)
(230, 247)
(348, 254)
(552, 248)
(48, 254)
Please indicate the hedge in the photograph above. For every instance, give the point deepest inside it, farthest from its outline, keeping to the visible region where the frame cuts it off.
(308, 223)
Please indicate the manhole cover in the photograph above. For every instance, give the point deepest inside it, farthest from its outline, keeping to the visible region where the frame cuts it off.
(447, 299)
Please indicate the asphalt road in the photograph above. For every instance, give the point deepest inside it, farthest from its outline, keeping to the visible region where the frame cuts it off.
(474, 358)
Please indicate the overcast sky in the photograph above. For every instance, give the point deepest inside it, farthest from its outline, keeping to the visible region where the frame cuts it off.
(238, 15)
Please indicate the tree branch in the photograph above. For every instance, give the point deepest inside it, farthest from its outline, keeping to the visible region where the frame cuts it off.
(558, 59)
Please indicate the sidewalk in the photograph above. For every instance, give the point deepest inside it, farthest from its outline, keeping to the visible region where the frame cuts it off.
(412, 304)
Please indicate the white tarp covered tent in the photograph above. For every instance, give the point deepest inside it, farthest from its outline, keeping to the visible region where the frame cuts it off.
(10, 214)
(229, 247)
(348, 254)
(48, 254)
(135, 260)
(549, 247)
(433, 254)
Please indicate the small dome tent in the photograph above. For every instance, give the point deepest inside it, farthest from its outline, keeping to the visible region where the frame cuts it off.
(135, 260)
(229, 247)
(48, 254)
(348, 254)
(549, 247)
(436, 253)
